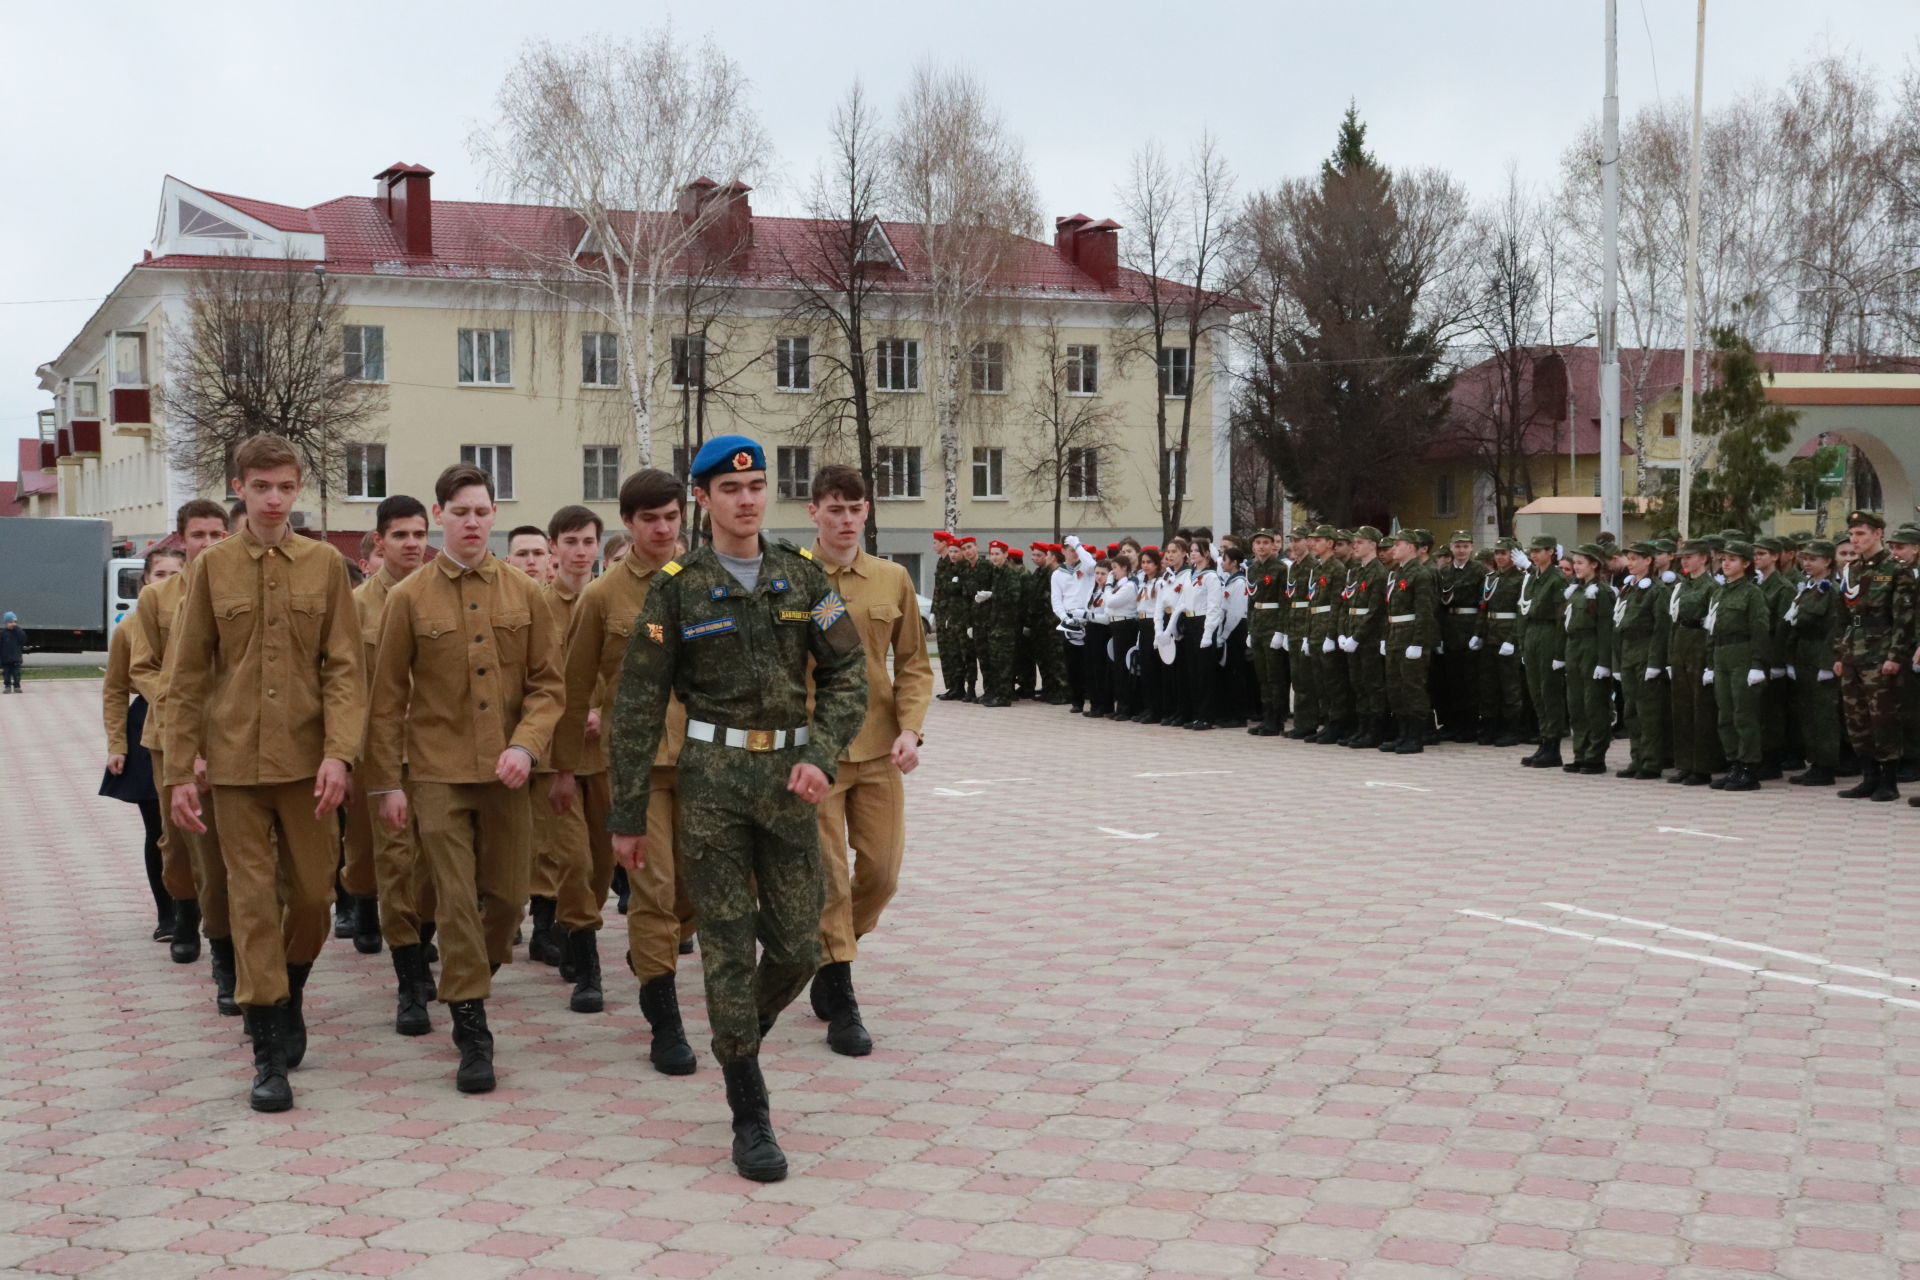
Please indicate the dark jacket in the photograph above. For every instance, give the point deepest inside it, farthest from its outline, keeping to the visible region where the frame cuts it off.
(13, 645)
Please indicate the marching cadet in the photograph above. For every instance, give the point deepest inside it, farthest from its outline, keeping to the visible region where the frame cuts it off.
(1239, 697)
(466, 691)
(1325, 626)
(1363, 622)
(1413, 627)
(1875, 651)
(1696, 735)
(1457, 580)
(731, 630)
(1741, 626)
(266, 683)
(949, 617)
(1543, 639)
(129, 771)
(1588, 624)
(1812, 625)
(404, 887)
(865, 808)
(659, 909)
(1123, 621)
(996, 624)
(1267, 576)
(1640, 631)
(190, 863)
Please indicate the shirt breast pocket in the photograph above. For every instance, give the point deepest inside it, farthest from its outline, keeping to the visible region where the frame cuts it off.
(435, 636)
(233, 618)
(305, 613)
(510, 631)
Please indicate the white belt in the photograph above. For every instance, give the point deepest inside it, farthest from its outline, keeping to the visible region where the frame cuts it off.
(1323, 608)
(1360, 613)
(1402, 617)
(1468, 609)
(1503, 615)
(1299, 604)
(1266, 606)
(749, 739)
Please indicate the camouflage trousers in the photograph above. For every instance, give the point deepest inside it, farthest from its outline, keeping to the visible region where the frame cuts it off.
(950, 631)
(1500, 686)
(997, 645)
(1407, 692)
(1872, 702)
(1270, 670)
(753, 869)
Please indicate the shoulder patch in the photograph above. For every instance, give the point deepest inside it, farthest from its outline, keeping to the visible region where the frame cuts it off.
(803, 551)
(671, 567)
(830, 609)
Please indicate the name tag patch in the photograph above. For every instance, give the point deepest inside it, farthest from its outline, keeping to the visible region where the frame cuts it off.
(698, 630)
(795, 615)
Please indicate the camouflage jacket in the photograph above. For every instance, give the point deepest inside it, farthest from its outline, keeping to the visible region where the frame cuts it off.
(1812, 625)
(1268, 578)
(738, 660)
(1879, 596)
(1500, 608)
(1364, 614)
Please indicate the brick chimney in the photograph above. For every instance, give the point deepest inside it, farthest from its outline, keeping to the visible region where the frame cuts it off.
(405, 193)
(1099, 252)
(1066, 236)
(728, 230)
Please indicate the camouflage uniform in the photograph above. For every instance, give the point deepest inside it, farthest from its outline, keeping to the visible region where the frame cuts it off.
(1878, 597)
(1812, 625)
(1413, 629)
(1049, 646)
(996, 627)
(738, 661)
(1266, 618)
(950, 624)
(1502, 685)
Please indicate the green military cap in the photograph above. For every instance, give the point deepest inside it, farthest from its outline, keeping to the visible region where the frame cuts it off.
(1643, 549)
(1698, 547)
(1422, 537)
(1907, 534)
(1817, 547)
(1262, 533)
(1800, 537)
(1460, 535)
(1483, 556)
(1733, 535)
(1715, 541)
(1299, 531)
(1544, 542)
(1343, 535)
(1593, 551)
(1738, 548)
(1398, 535)
(1872, 519)
(1324, 531)
(1365, 533)
(1666, 546)
(1770, 543)
(1507, 544)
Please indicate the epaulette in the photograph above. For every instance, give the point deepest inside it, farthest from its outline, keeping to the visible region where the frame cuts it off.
(803, 551)
(671, 567)
(794, 547)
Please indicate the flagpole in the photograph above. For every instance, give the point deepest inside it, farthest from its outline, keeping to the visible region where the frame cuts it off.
(1693, 278)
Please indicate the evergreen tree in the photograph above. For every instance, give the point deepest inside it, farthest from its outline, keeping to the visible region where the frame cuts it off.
(1744, 483)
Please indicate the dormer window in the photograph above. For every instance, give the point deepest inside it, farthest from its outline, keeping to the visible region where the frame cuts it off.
(195, 221)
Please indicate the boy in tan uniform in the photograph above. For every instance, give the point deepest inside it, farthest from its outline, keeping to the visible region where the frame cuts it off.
(658, 913)
(190, 863)
(466, 690)
(866, 806)
(266, 682)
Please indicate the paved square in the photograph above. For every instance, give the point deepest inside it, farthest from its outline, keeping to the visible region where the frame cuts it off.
(1150, 1003)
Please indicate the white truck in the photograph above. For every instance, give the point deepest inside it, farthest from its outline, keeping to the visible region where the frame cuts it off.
(60, 576)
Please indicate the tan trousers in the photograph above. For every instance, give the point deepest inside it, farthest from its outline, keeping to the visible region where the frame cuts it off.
(280, 861)
(400, 874)
(582, 852)
(473, 837)
(659, 908)
(357, 875)
(865, 809)
(190, 863)
(543, 879)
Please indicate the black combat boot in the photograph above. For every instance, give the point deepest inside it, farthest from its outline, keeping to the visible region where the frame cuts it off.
(1817, 775)
(1790, 763)
(296, 1014)
(427, 928)
(1768, 770)
(1393, 731)
(1868, 784)
(1906, 770)
(833, 1001)
(583, 959)
(756, 1154)
(1367, 737)
(475, 1042)
(1487, 734)
(410, 972)
(342, 912)
(1548, 757)
(1887, 777)
(221, 949)
(1330, 733)
(366, 926)
(541, 945)
(1510, 736)
(266, 1027)
(669, 1053)
(185, 947)
(951, 695)
(1413, 740)
(1744, 777)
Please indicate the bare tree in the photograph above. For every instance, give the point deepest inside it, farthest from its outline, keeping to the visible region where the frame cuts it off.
(620, 135)
(961, 179)
(261, 350)
(1070, 444)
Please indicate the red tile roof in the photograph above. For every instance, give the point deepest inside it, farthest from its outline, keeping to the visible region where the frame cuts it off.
(9, 506)
(32, 479)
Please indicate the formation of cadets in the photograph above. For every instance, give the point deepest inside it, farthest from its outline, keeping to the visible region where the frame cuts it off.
(1724, 661)
(461, 739)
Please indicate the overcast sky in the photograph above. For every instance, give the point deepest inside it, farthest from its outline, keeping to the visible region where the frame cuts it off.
(299, 104)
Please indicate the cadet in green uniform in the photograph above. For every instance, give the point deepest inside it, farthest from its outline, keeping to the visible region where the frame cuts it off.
(1543, 641)
(1640, 630)
(1811, 628)
(1502, 686)
(1457, 580)
(1741, 625)
(1307, 583)
(1876, 653)
(1365, 626)
(1413, 628)
(1588, 622)
(996, 623)
(950, 617)
(1776, 695)
(1696, 733)
(1903, 543)
(731, 630)
(1266, 617)
(1323, 636)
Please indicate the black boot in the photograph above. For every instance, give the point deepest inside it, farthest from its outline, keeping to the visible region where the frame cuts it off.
(1768, 770)
(1868, 784)
(410, 974)
(342, 913)
(296, 1015)
(266, 1027)
(221, 949)
(541, 945)
(1393, 731)
(1886, 787)
(756, 1154)
(670, 1053)
(1413, 740)
(1548, 757)
(1745, 777)
(583, 959)
(833, 1001)
(185, 947)
(1330, 733)
(1817, 775)
(427, 928)
(475, 1042)
(1509, 737)
(366, 926)
(1367, 738)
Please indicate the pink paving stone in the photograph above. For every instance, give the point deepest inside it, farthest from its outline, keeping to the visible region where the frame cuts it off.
(1295, 1267)
(645, 1230)
(1833, 1189)
(315, 1166)
(820, 1248)
(1436, 1253)
(1740, 1206)
(1601, 1269)
(1836, 1238)
(1116, 1249)
(990, 1266)
(70, 1262)
(354, 1225)
(376, 1262)
(1733, 1258)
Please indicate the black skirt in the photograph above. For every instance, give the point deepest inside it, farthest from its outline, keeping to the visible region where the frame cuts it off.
(134, 783)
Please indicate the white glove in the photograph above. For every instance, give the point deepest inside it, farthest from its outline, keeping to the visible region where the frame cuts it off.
(1669, 671)
(1326, 646)
(1776, 673)
(1559, 665)
(1383, 648)
(1249, 642)
(1755, 676)
(1349, 644)
(1506, 648)
(1413, 652)
(1826, 673)
(1601, 673)
(1474, 644)
(1651, 673)
(981, 597)
(969, 633)
(1706, 677)
(1279, 641)
(1441, 647)
(1205, 643)
(1791, 673)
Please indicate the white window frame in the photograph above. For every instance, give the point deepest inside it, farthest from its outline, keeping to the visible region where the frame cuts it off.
(602, 349)
(1083, 369)
(682, 355)
(896, 356)
(793, 472)
(74, 409)
(793, 356)
(601, 467)
(495, 345)
(1078, 471)
(896, 465)
(113, 350)
(986, 364)
(989, 470)
(361, 457)
(1172, 370)
(354, 336)
(1179, 474)
(488, 457)
(1444, 488)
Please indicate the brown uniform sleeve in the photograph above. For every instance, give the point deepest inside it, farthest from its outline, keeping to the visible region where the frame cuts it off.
(546, 690)
(580, 670)
(912, 669)
(144, 668)
(388, 693)
(343, 670)
(188, 678)
(116, 689)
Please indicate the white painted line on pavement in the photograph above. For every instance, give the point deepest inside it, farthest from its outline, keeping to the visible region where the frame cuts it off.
(1689, 831)
(1742, 966)
(1662, 927)
(949, 791)
(1402, 786)
(989, 782)
(1183, 773)
(1128, 835)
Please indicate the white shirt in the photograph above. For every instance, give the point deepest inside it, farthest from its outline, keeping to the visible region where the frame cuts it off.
(1239, 592)
(1210, 604)
(1072, 584)
(1123, 598)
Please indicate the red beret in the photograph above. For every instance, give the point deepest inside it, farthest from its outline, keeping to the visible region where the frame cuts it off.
(997, 543)
(969, 539)
(1016, 553)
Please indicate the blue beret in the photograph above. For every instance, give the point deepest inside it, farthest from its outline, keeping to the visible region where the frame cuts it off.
(726, 454)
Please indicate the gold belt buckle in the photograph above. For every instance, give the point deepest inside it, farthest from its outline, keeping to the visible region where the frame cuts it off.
(759, 739)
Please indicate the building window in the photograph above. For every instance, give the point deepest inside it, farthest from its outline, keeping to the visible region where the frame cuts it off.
(896, 364)
(365, 348)
(896, 471)
(1083, 370)
(792, 364)
(366, 471)
(989, 366)
(989, 472)
(486, 357)
(600, 473)
(1867, 493)
(130, 359)
(793, 472)
(86, 400)
(1669, 424)
(1176, 472)
(1443, 504)
(689, 361)
(682, 461)
(1083, 474)
(497, 461)
(910, 561)
(599, 359)
(1176, 371)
